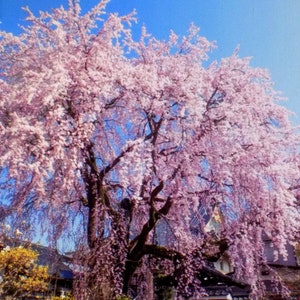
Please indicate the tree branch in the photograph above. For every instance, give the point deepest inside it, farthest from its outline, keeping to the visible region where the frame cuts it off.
(114, 162)
(220, 245)
(162, 252)
(137, 246)
(156, 190)
(138, 242)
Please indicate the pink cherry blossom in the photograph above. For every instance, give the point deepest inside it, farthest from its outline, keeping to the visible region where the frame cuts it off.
(124, 142)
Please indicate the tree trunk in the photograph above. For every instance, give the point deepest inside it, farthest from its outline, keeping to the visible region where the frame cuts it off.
(150, 286)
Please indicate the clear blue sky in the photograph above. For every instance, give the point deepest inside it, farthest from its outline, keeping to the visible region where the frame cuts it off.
(267, 30)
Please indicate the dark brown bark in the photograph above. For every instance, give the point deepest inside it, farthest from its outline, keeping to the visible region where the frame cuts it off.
(98, 201)
(137, 245)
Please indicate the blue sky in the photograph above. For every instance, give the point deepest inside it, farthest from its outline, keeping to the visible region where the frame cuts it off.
(267, 30)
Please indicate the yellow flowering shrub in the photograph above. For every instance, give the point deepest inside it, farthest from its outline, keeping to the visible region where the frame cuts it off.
(20, 274)
(68, 296)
